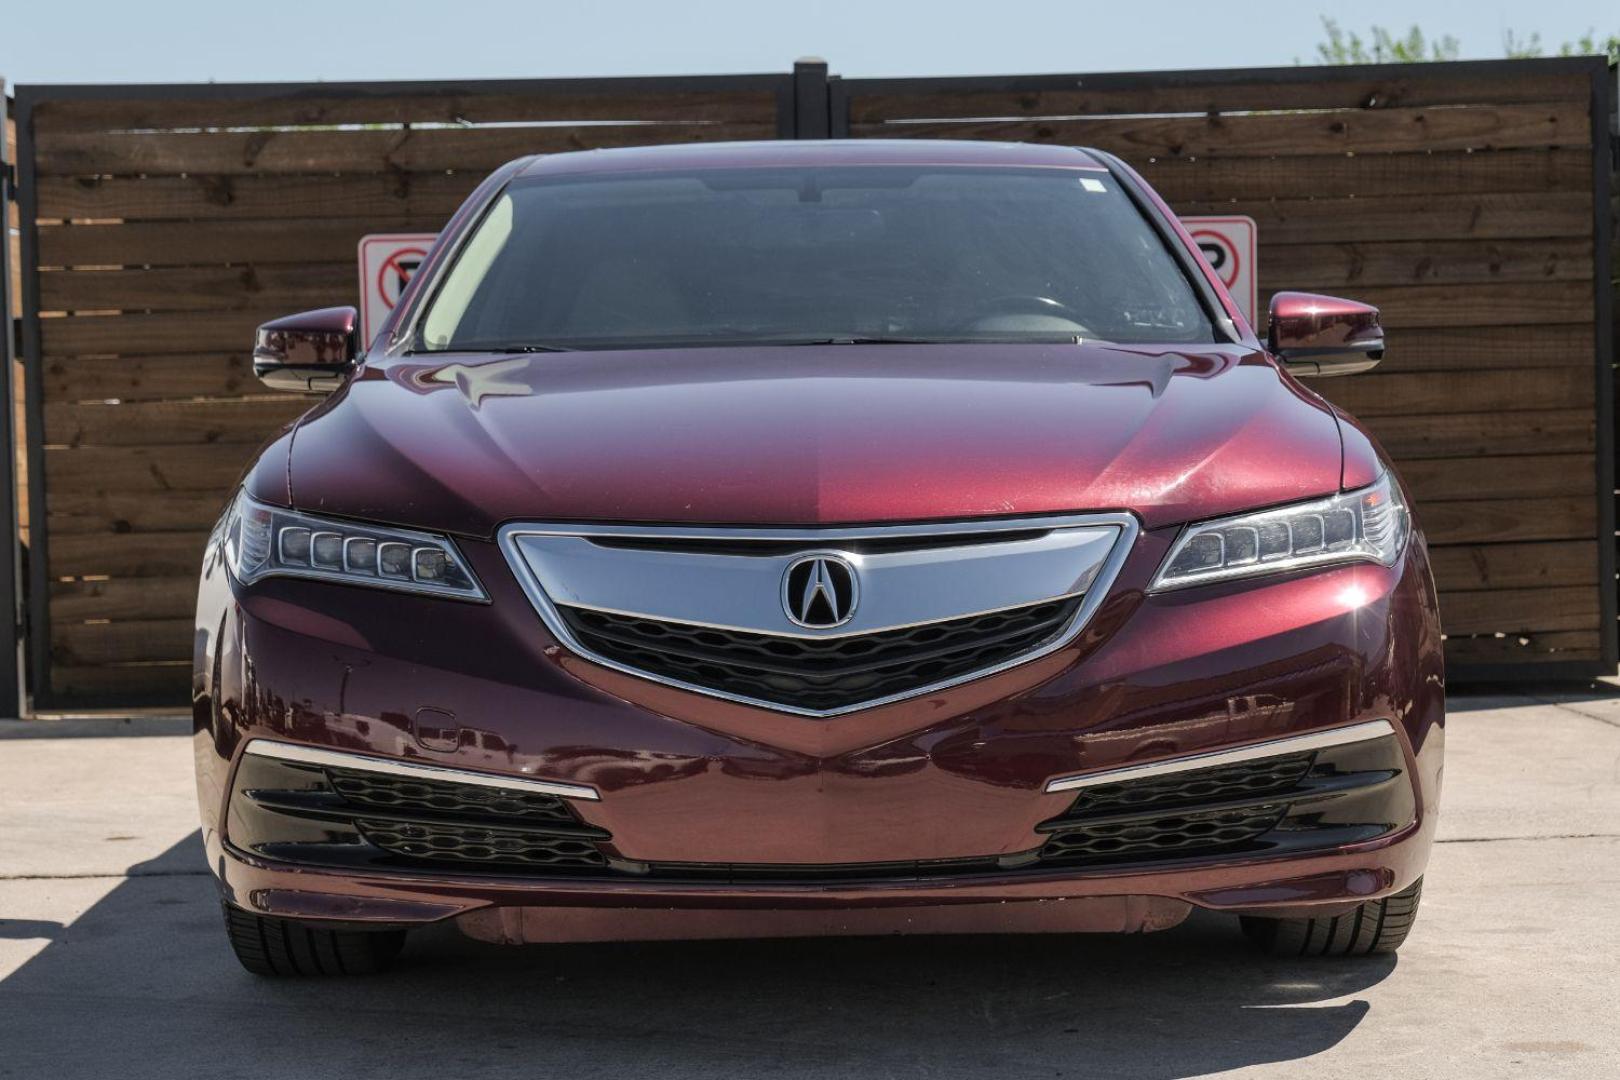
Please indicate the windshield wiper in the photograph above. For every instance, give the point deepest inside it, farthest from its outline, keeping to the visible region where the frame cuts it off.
(1054, 339)
(498, 347)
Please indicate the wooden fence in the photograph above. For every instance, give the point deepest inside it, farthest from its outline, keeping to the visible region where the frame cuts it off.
(161, 224)
(1463, 200)
(168, 223)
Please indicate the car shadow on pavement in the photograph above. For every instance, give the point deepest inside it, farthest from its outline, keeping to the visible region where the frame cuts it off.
(143, 984)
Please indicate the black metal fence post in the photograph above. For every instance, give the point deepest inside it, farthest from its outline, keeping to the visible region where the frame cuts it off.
(11, 659)
(810, 105)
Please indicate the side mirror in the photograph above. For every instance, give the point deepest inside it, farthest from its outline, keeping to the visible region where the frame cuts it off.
(1324, 335)
(308, 353)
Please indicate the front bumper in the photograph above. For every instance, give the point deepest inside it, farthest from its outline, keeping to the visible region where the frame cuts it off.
(957, 777)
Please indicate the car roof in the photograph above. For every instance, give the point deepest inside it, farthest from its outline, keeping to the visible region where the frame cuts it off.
(745, 155)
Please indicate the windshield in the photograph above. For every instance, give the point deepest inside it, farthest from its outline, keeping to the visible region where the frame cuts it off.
(785, 255)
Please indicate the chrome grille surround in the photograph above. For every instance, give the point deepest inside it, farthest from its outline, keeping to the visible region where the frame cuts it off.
(615, 569)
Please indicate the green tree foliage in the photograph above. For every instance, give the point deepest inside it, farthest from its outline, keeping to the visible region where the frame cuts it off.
(1347, 47)
(1385, 47)
(1588, 44)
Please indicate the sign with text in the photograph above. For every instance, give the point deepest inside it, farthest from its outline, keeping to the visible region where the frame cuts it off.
(1230, 246)
(387, 261)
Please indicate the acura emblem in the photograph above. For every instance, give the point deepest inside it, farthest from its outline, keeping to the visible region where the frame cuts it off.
(820, 591)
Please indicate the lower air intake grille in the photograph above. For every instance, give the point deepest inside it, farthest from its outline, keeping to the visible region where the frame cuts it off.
(1173, 834)
(477, 844)
(385, 792)
(1225, 782)
(819, 673)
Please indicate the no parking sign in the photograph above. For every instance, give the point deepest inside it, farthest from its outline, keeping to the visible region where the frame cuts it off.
(1229, 246)
(387, 261)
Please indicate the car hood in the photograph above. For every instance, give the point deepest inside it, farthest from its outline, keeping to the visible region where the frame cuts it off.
(807, 435)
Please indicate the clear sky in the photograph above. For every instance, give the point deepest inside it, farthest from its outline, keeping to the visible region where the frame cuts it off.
(298, 40)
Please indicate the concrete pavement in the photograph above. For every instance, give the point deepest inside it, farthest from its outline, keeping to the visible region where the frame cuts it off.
(113, 962)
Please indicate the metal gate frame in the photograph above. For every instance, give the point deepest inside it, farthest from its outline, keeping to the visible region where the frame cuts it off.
(11, 629)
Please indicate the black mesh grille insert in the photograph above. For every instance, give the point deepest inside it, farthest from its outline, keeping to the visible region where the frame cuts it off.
(819, 674)
(1184, 833)
(1219, 784)
(477, 844)
(384, 792)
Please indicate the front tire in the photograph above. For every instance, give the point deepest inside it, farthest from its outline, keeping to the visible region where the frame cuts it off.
(1377, 926)
(276, 947)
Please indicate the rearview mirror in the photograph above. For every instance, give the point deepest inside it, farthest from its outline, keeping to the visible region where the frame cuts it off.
(1324, 335)
(308, 353)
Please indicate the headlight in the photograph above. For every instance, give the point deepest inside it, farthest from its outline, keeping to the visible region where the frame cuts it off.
(1369, 525)
(266, 541)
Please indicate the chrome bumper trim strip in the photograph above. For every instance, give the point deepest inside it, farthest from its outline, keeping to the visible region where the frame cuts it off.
(340, 759)
(1293, 744)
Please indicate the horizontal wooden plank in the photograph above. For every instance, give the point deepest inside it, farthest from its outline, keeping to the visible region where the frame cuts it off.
(112, 513)
(1515, 611)
(472, 152)
(197, 197)
(1424, 262)
(1518, 304)
(1424, 393)
(1413, 217)
(1299, 221)
(281, 289)
(1188, 93)
(124, 682)
(212, 242)
(1485, 127)
(132, 555)
(144, 378)
(1486, 478)
(1505, 520)
(132, 470)
(1515, 566)
(747, 98)
(81, 643)
(1430, 435)
(155, 334)
(200, 288)
(1466, 349)
(124, 598)
(170, 423)
(1327, 176)
(1532, 648)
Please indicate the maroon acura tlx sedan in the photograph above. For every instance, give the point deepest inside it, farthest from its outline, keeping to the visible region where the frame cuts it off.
(816, 538)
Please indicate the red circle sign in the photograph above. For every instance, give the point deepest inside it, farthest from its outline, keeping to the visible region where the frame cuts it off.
(1227, 268)
(394, 275)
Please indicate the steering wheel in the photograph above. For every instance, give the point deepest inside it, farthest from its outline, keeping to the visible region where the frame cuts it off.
(1044, 306)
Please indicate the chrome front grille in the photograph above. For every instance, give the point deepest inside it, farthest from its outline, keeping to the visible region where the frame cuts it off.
(831, 673)
(819, 621)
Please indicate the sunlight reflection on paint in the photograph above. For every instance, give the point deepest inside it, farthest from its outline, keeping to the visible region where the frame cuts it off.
(1353, 596)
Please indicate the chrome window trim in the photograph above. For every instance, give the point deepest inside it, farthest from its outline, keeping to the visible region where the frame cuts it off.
(342, 759)
(1293, 744)
(1093, 597)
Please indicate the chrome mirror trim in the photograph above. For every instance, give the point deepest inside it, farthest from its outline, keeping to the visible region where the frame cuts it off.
(1321, 364)
(1293, 744)
(342, 759)
(1093, 588)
